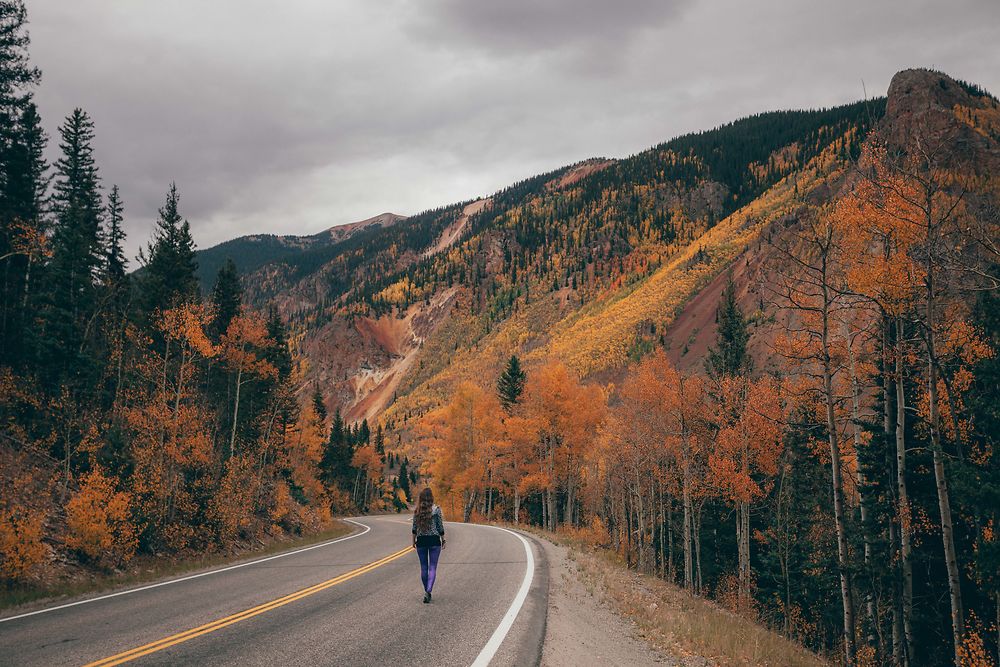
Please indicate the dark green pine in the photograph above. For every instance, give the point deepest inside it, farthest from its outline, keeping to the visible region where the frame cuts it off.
(729, 357)
(227, 298)
(77, 251)
(510, 384)
(169, 276)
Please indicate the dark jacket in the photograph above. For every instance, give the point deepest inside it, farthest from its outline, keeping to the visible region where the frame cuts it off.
(433, 534)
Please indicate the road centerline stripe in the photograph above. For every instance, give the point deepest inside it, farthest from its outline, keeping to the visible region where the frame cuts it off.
(220, 623)
(170, 582)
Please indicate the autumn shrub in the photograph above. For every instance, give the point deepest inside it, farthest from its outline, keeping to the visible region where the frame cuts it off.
(25, 504)
(313, 519)
(728, 595)
(231, 508)
(99, 522)
(284, 510)
(21, 547)
(594, 533)
(338, 500)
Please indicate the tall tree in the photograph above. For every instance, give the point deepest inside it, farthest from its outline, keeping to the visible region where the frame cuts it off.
(115, 299)
(278, 354)
(227, 297)
(77, 252)
(729, 356)
(458, 435)
(877, 249)
(335, 466)
(510, 385)
(319, 405)
(922, 189)
(404, 481)
(242, 350)
(747, 452)
(17, 79)
(23, 241)
(811, 285)
(169, 276)
(113, 270)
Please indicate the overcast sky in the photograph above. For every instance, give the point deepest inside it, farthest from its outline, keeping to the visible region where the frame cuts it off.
(293, 116)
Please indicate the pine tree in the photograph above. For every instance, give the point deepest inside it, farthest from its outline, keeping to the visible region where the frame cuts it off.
(318, 404)
(404, 480)
(115, 297)
(22, 232)
(279, 354)
(335, 466)
(227, 298)
(169, 274)
(729, 357)
(113, 269)
(510, 385)
(77, 252)
(17, 78)
(379, 440)
(22, 184)
(337, 431)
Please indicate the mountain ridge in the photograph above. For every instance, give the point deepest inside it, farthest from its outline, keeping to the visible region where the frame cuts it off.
(648, 232)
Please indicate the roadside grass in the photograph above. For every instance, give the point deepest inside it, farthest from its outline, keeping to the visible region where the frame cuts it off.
(675, 621)
(150, 569)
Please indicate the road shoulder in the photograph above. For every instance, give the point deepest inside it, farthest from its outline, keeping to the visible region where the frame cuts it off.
(581, 628)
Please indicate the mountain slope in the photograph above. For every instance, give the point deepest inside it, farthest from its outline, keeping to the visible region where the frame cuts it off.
(251, 252)
(594, 263)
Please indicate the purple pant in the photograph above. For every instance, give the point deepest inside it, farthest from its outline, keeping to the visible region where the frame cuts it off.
(428, 565)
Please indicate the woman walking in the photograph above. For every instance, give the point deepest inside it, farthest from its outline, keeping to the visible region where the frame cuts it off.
(428, 538)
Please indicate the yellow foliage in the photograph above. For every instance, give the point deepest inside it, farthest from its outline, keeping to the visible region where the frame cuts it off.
(234, 503)
(99, 521)
(21, 547)
(25, 504)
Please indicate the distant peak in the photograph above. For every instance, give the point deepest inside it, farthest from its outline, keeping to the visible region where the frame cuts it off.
(915, 88)
(385, 219)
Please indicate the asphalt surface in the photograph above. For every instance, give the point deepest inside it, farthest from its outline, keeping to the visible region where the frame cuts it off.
(352, 601)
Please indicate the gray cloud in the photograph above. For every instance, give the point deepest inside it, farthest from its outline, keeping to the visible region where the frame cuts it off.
(592, 33)
(294, 117)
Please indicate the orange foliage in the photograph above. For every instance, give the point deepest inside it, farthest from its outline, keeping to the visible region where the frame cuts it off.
(562, 415)
(171, 434)
(232, 508)
(304, 441)
(21, 547)
(748, 444)
(25, 503)
(99, 521)
(245, 335)
(460, 437)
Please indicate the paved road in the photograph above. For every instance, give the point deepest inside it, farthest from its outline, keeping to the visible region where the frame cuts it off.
(352, 601)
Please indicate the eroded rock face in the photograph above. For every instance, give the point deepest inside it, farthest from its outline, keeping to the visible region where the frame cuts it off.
(358, 363)
(930, 113)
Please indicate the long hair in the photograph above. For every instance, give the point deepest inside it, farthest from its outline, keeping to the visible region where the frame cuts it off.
(423, 511)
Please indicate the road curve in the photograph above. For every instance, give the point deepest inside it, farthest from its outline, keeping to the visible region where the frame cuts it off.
(351, 601)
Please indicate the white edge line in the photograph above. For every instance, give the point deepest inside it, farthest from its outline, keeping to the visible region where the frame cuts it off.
(484, 657)
(192, 576)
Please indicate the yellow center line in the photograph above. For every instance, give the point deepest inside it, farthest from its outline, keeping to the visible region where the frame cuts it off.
(180, 637)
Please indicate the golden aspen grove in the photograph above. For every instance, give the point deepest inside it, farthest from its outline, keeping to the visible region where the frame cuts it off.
(759, 362)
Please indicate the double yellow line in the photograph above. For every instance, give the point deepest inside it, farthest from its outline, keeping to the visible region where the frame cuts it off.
(181, 637)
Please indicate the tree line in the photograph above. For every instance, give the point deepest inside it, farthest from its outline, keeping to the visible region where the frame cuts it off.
(850, 500)
(138, 416)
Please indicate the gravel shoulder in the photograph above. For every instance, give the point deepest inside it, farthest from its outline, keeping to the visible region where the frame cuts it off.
(582, 629)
